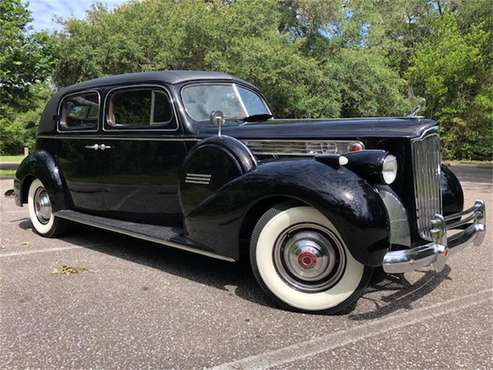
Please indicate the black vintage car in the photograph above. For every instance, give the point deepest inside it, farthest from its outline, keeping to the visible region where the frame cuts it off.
(194, 160)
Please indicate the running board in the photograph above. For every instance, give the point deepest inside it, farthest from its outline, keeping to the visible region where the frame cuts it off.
(157, 234)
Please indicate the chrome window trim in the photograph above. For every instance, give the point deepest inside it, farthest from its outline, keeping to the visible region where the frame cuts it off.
(109, 128)
(59, 111)
(235, 87)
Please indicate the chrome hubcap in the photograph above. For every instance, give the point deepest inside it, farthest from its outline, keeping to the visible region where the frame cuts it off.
(42, 205)
(309, 257)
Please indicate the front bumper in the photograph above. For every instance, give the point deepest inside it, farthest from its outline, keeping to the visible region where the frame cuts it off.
(472, 223)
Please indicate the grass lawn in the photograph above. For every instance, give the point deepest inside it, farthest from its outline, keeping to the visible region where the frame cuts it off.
(7, 173)
(11, 158)
(468, 163)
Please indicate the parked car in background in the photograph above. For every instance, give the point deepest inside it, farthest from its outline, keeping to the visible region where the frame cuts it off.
(195, 161)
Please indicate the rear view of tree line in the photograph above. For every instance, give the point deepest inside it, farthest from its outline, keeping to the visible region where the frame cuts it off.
(311, 58)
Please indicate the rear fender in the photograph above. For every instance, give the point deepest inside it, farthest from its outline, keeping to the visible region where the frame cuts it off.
(352, 205)
(41, 165)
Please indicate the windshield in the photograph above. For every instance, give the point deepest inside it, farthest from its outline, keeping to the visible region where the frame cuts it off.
(234, 101)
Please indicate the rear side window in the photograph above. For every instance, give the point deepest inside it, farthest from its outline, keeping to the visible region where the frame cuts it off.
(80, 112)
(139, 108)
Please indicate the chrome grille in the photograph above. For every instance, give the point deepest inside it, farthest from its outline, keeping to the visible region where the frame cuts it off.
(426, 166)
(299, 147)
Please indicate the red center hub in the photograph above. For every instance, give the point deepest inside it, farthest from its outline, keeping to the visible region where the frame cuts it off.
(307, 260)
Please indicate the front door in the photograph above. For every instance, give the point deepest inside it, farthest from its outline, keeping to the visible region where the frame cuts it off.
(143, 156)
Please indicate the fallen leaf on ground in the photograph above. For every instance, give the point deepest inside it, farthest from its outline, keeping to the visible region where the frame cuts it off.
(67, 270)
(9, 193)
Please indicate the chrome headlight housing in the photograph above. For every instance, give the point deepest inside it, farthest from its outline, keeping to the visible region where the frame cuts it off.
(389, 169)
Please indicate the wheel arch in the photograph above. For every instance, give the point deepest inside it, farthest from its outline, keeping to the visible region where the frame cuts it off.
(255, 212)
(41, 165)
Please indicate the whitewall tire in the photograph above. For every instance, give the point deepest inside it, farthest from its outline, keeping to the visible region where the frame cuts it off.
(301, 261)
(40, 211)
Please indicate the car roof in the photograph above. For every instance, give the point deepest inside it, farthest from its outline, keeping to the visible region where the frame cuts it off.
(47, 123)
(168, 77)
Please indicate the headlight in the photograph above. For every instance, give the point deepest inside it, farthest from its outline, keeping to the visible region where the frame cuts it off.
(389, 169)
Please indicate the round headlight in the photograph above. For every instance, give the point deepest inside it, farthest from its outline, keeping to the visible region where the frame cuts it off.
(389, 169)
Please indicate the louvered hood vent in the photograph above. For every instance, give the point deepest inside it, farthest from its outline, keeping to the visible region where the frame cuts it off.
(300, 147)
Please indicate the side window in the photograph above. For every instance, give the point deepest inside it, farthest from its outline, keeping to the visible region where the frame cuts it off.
(80, 112)
(139, 108)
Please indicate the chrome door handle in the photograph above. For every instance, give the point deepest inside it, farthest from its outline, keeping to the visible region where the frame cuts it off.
(104, 147)
(93, 147)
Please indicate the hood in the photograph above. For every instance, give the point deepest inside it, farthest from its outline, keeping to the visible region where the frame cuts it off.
(325, 128)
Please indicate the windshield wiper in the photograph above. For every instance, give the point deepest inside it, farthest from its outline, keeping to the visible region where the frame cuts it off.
(257, 117)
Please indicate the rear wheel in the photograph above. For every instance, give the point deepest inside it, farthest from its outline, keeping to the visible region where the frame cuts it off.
(41, 213)
(301, 261)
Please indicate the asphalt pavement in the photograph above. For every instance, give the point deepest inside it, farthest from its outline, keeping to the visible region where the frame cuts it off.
(134, 304)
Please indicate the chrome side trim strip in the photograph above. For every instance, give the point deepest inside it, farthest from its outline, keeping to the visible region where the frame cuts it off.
(150, 239)
(104, 137)
(299, 147)
(198, 178)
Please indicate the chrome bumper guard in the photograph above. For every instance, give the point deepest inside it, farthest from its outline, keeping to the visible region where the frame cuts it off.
(473, 224)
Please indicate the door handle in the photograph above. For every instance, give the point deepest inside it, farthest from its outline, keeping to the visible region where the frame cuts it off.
(93, 147)
(104, 147)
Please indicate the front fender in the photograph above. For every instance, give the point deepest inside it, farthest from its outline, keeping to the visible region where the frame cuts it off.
(41, 165)
(452, 194)
(351, 204)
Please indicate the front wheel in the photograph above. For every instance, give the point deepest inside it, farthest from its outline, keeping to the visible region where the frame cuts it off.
(301, 261)
(40, 211)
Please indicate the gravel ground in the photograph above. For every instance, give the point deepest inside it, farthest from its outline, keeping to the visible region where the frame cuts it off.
(139, 305)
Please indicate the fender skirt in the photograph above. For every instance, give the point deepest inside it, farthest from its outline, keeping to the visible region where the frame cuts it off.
(347, 200)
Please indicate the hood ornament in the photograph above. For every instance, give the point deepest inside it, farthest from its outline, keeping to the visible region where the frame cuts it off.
(419, 104)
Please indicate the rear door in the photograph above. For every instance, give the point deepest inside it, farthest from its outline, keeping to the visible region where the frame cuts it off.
(78, 124)
(145, 156)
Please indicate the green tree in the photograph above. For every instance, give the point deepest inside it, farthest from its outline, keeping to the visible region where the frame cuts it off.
(453, 73)
(23, 64)
(23, 60)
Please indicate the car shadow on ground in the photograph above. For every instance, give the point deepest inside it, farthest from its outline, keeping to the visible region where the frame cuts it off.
(402, 293)
(237, 278)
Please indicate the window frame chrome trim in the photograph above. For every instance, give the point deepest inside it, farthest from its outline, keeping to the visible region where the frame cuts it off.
(60, 106)
(110, 128)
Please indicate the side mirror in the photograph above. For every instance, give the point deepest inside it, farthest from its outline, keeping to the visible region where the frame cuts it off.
(217, 119)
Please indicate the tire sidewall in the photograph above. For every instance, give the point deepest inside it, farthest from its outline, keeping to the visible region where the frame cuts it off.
(342, 294)
(43, 229)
